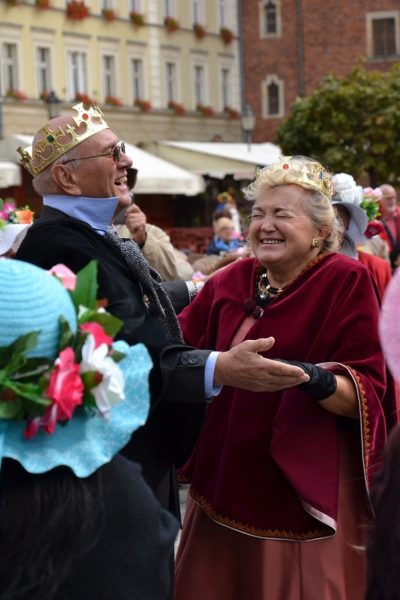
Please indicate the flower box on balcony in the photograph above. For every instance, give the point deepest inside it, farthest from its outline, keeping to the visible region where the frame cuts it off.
(206, 111)
(77, 10)
(16, 95)
(232, 113)
(85, 98)
(143, 105)
(109, 14)
(137, 19)
(42, 4)
(227, 35)
(178, 109)
(171, 24)
(199, 31)
(113, 101)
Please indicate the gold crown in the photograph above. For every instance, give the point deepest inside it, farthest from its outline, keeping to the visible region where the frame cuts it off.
(50, 144)
(302, 171)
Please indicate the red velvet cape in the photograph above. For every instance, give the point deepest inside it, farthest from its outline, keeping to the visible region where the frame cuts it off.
(267, 464)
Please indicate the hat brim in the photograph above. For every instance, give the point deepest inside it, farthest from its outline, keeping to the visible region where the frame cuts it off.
(357, 214)
(87, 441)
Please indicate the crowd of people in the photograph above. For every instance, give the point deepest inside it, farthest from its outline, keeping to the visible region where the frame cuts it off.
(267, 387)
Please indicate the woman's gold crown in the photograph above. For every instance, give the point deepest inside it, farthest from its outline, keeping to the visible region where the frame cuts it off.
(302, 171)
(50, 144)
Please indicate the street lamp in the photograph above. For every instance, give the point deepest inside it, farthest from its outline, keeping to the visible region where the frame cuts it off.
(248, 123)
(53, 105)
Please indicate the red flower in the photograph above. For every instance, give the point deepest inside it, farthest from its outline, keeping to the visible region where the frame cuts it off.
(65, 389)
(100, 336)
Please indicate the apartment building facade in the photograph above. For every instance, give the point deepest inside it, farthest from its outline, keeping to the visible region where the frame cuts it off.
(159, 69)
(290, 45)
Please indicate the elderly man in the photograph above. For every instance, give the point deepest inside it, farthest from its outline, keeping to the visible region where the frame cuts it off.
(390, 215)
(78, 163)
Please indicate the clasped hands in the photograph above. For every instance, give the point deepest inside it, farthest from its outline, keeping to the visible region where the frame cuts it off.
(243, 367)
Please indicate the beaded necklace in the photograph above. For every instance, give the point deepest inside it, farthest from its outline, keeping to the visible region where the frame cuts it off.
(264, 294)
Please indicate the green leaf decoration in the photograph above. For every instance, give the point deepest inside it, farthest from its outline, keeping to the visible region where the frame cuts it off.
(109, 322)
(10, 410)
(85, 292)
(13, 357)
(66, 335)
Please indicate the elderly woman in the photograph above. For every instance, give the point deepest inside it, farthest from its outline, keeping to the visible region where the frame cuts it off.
(278, 502)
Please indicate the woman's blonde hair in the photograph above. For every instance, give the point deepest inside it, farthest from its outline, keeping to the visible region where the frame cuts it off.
(311, 176)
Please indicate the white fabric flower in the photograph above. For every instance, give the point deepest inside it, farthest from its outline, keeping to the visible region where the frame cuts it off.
(110, 390)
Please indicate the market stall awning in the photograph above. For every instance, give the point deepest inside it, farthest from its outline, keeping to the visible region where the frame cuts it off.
(217, 159)
(158, 176)
(10, 174)
(155, 175)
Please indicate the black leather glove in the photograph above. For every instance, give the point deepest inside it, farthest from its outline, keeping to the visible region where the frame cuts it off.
(322, 383)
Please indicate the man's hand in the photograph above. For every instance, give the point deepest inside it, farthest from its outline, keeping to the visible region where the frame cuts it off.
(242, 367)
(135, 220)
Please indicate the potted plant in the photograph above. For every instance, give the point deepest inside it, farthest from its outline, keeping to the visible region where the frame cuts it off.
(171, 24)
(77, 10)
(113, 101)
(16, 94)
(227, 35)
(199, 31)
(206, 111)
(143, 105)
(42, 4)
(85, 98)
(178, 109)
(137, 19)
(109, 14)
(232, 113)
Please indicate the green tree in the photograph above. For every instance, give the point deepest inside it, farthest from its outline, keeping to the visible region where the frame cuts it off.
(350, 124)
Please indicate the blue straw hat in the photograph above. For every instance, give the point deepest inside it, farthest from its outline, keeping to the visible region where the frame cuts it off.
(31, 300)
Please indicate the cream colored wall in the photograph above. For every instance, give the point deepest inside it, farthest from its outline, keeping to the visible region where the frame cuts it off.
(28, 26)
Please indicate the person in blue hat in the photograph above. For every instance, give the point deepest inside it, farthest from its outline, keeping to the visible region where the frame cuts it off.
(77, 520)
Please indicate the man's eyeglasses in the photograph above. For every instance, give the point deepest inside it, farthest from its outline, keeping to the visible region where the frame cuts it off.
(115, 153)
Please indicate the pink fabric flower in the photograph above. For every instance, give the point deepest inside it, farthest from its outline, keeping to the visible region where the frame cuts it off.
(66, 276)
(97, 331)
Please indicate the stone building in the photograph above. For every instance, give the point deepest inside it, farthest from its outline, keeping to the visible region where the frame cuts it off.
(160, 69)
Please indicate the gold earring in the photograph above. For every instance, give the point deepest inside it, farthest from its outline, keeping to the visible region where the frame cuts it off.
(315, 243)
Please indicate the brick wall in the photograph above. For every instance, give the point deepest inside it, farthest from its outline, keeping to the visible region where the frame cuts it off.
(334, 35)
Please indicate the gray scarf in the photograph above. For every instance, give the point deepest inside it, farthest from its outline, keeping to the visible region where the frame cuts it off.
(159, 304)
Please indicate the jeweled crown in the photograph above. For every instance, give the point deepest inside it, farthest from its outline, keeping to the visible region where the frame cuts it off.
(302, 171)
(50, 144)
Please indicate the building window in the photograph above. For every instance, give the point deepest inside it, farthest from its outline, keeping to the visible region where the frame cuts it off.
(135, 6)
(225, 87)
(10, 67)
(137, 78)
(384, 37)
(223, 14)
(77, 73)
(269, 18)
(197, 11)
(109, 75)
(106, 4)
(383, 34)
(272, 98)
(199, 84)
(168, 8)
(43, 70)
(171, 82)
